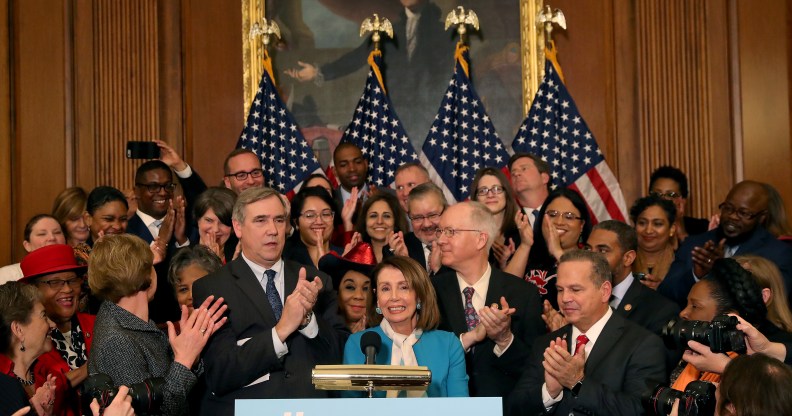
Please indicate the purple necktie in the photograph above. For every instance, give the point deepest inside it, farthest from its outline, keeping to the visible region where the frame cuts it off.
(471, 317)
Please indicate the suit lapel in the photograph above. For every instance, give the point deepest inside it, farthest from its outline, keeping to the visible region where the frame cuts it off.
(754, 244)
(451, 294)
(495, 288)
(251, 287)
(630, 298)
(290, 275)
(605, 342)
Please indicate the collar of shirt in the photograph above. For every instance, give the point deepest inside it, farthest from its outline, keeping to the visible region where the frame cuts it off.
(411, 14)
(259, 270)
(346, 194)
(729, 252)
(592, 334)
(621, 289)
(148, 221)
(480, 288)
(531, 217)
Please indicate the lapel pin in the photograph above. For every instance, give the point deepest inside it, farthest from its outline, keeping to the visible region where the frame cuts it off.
(628, 307)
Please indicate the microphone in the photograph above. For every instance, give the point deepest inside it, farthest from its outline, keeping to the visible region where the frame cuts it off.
(370, 344)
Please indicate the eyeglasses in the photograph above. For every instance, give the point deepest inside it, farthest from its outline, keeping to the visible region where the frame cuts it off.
(422, 218)
(155, 188)
(495, 190)
(569, 216)
(326, 215)
(450, 232)
(666, 195)
(58, 284)
(241, 176)
(727, 209)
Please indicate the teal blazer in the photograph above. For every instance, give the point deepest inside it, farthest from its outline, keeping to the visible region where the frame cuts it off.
(441, 351)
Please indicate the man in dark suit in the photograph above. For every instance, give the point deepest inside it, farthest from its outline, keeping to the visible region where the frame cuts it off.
(426, 204)
(496, 315)
(600, 363)
(740, 232)
(618, 242)
(282, 316)
(154, 188)
(530, 178)
(351, 170)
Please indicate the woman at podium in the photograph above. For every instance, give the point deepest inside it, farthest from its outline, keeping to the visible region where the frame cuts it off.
(406, 318)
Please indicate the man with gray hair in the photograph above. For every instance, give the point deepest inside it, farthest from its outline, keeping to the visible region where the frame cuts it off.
(598, 364)
(425, 205)
(496, 315)
(282, 316)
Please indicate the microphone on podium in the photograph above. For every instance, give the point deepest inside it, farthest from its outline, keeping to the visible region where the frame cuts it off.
(370, 344)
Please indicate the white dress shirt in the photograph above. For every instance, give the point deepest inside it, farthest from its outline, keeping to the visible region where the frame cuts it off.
(478, 300)
(620, 290)
(592, 334)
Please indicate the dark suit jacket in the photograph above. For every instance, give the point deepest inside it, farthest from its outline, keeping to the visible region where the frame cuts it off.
(164, 306)
(626, 360)
(492, 376)
(679, 279)
(647, 308)
(230, 367)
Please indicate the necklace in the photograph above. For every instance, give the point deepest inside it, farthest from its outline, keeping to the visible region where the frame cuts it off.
(25, 382)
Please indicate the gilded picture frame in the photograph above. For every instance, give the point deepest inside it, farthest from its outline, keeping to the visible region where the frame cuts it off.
(531, 58)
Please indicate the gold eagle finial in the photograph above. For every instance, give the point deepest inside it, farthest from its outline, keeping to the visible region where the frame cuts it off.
(376, 24)
(265, 30)
(548, 17)
(461, 18)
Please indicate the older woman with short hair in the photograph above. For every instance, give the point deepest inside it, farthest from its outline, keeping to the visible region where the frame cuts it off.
(128, 346)
(407, 313)
(188, 265)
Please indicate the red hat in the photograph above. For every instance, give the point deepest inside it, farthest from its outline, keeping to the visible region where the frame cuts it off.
(360, 259)
(50, 259)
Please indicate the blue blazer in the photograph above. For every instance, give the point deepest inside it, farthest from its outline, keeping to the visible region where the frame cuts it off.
(441, 351)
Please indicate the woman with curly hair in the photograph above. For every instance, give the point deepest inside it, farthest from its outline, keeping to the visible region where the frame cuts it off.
(727, 289)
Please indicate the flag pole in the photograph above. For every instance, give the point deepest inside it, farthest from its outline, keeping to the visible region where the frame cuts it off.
(266, 30)
(549, 18)
(376, 25)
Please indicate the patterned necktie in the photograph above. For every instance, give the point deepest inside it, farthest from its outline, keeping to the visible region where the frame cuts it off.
(580, 344)
(272, 295)
(471, 317)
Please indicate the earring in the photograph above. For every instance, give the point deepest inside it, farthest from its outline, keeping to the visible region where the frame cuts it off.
(418, 306)
(22, 347)
(378, 310)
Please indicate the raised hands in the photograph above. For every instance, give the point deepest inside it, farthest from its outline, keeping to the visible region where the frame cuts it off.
(562, 366)
(497, 322)
(550, 233)
(396, 243)
(209, 240)
(705, 255)
(298, 308)
(435, 258)
(348, 210)
(356, 238)
(43, 401)
(180, 221)
(195, 329)
(503, 252)
(170, 157)
(552, 318)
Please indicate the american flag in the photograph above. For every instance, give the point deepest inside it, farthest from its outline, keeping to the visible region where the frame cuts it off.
(273, 135)
(377, 131)
(555, 131)
(462, 139)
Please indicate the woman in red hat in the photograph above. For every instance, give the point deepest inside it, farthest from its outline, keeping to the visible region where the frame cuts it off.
(54, 271)
(351, 276)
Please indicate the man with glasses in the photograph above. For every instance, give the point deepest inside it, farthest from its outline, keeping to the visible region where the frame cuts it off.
(425, 204)
(162, 217)
(242, 170)
(670, 183)
(739, 232)
(496, 315)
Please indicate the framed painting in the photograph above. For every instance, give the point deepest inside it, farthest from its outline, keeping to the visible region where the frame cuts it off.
(320, 61)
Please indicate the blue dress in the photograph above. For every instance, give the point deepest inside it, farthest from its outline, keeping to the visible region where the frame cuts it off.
(441, 351)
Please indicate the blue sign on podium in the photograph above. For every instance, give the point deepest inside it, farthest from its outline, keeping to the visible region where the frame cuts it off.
(457, 406)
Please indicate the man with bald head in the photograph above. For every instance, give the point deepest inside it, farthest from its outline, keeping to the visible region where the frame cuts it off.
(740, 232)
(495, 315)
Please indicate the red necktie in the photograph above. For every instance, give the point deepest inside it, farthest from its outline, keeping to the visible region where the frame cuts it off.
(580, 344)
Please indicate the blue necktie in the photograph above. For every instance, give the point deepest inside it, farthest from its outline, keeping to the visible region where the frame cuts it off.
(272, 294)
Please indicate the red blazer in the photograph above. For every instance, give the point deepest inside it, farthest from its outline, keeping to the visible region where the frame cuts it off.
(67, 399)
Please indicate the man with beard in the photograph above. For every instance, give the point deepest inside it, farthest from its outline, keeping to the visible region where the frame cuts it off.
(425, 204)
(740, 232)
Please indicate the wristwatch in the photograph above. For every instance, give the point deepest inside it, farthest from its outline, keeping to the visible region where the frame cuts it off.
(308, 318)
(576, 388)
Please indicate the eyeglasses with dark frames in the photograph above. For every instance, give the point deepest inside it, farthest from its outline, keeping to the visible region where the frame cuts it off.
(728, 209)
(422, 218)
(666, 195)
(569, 216)
(241, 176)
(57, 284)
(155, 188)
(450, 232)
(494, 190)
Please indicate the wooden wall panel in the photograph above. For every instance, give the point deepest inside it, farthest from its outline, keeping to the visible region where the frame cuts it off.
(682, 49)
(6, 208)
(765, 82)
(40, 81)
(126, 84)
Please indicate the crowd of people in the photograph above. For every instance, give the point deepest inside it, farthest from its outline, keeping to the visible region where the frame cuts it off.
(206, 295)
